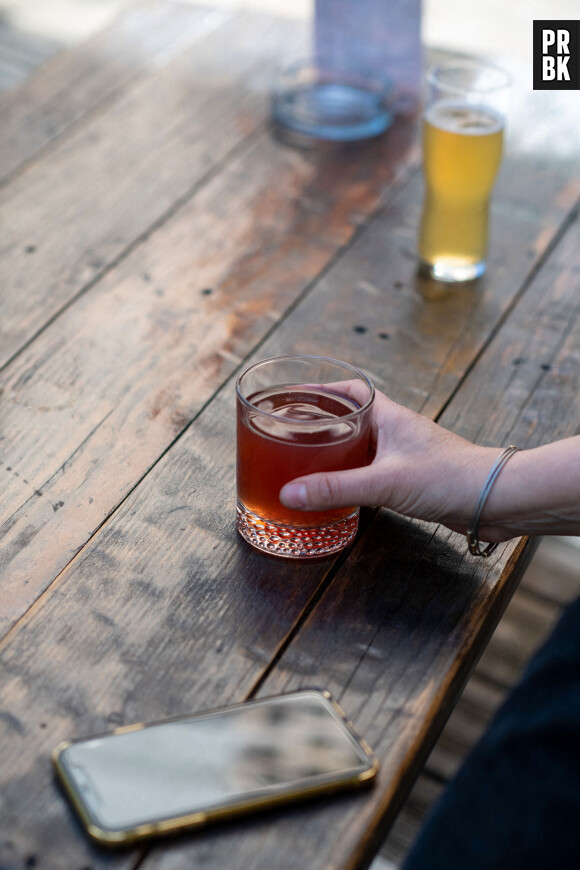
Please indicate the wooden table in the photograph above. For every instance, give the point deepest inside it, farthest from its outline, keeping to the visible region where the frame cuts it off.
(155, 238)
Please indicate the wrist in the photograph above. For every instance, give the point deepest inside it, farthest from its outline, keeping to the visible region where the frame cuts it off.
(473, 542)
(538, 492)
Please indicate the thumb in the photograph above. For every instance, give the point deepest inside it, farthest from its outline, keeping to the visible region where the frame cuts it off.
(332, 489)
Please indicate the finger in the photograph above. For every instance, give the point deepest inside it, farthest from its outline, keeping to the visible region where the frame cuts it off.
(333, 489)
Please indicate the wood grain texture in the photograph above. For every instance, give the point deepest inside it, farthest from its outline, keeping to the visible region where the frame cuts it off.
(417, 339)
(370, 659)
(168, 611)
(403, 611)
(70, 216)
(105, 390)
(216, 245)
(429, 584)
(78, 83)
(526, 389)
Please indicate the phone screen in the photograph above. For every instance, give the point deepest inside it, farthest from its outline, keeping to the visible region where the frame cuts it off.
(240, 756)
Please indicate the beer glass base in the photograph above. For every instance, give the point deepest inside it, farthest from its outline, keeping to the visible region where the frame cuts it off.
(296, 543)
(451, 272)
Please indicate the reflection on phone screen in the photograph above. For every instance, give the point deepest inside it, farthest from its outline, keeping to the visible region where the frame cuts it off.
(201, 763)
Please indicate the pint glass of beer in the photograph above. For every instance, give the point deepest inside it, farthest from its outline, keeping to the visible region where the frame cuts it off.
(298, 415)
(462, 146)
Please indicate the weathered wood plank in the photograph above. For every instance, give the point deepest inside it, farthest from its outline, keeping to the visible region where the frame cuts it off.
(528, 619)
(166, 583)
(246, 304)
(554, 574)
(374, 642)
(528, 390)
(164, 578)
(397, 631)
(20, 54)
(374, 306)
(149, 560)
(135, 360)
(168, 589)
(400, 309)
(552, 305)
(77, 83)
(82, 206)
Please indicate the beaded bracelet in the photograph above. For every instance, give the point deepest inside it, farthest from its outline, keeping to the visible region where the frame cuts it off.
(473, 530)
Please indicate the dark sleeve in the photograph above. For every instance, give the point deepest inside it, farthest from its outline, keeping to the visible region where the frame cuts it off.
(515, 802)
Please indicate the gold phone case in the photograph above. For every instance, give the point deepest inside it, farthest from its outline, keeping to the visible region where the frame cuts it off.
(258, 799)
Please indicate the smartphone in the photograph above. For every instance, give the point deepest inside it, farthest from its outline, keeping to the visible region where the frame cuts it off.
(151, 779)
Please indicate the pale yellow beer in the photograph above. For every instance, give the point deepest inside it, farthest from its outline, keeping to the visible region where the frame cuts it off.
(462, 148)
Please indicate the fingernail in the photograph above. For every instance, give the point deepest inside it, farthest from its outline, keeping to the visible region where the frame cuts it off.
(293, 495)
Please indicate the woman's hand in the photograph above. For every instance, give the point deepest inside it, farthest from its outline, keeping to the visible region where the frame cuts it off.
(424, 471)
(419, 469)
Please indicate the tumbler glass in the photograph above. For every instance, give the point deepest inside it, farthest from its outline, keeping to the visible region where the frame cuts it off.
(462, 147)
(298, 415)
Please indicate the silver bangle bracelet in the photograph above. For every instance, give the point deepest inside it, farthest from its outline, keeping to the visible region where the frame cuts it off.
(473, 530)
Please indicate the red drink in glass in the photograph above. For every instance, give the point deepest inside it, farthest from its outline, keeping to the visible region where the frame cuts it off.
(287, 430)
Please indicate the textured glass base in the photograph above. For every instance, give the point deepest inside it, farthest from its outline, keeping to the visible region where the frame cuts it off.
(337, 106)
(451, 271)
(296, 543)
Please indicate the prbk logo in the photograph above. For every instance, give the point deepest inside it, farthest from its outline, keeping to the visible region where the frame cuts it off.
(556, 55)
